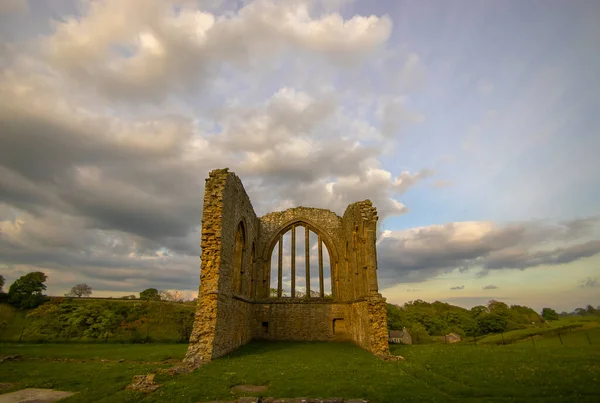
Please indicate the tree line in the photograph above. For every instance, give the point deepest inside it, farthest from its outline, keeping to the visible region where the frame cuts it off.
(423, 319)
(72, 317)
(27, 292)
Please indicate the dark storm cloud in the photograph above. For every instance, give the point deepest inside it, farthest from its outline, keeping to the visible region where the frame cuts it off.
(523, 259)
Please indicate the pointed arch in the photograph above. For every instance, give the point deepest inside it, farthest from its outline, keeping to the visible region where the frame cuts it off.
(323, 285)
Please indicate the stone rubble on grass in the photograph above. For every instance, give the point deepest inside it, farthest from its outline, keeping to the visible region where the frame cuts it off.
(33, 395)
(390, 357)
(253, 389)
(143, 383)
(11, 357)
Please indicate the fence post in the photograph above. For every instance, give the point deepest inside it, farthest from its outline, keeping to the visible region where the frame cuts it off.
(560, 338)
(532, 342)
(588, 337)
(22, 330)
(502, 335)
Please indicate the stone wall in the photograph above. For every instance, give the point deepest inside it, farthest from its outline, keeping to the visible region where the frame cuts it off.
(222, 322)
(234, 305)
(298, 320)
(234, 315)
(367, 312)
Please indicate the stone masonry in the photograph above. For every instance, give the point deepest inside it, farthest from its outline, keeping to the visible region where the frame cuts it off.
(235, 303)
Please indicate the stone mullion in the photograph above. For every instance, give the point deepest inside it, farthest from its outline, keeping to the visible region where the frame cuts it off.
(373, 261)
(293, 261)
(307, 259)
(279, 267)
(321, 284)
(267, 278)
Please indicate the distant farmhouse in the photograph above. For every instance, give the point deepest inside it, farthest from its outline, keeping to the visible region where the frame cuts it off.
(400, 337)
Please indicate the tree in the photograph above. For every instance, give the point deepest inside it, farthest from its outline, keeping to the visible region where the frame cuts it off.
(150, 294)
(26, 291)
(80, 290)
(549, 314)
(172, 296)
(2, 282)
(478, 310)
(491, 323)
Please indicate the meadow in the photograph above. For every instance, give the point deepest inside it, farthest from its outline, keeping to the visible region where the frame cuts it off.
(519, 372)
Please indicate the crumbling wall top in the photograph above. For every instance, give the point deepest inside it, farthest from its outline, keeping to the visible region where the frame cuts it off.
(364, 209)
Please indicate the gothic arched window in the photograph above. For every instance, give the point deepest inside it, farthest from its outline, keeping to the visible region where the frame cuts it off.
(300, 264)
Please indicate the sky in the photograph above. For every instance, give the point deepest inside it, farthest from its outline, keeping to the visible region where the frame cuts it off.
(472, 126)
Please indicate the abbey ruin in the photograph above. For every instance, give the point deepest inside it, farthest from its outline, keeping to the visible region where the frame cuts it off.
(299, 274)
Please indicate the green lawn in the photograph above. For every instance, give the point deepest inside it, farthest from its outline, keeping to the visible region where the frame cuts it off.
(431, 373)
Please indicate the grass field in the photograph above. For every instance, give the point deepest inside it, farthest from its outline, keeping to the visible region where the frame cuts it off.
(575, 330)
(431, 373)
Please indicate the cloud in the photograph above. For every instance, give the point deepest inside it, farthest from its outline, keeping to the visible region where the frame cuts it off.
(135, 50)
(589, 283)
(111, 119)
(417, 254)
(459, 287)
(490, 287)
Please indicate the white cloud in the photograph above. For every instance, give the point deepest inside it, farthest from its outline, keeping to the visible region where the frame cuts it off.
(145, 50)
(102, 190)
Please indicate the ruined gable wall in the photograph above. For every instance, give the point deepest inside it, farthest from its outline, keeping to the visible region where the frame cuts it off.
(205, 321)
(221, 323)
(272, 223)
(234, 309)
(227, 318)
(367, 315)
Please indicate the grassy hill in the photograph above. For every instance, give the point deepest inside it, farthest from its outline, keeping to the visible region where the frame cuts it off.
(94, 320)
(568, 328)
